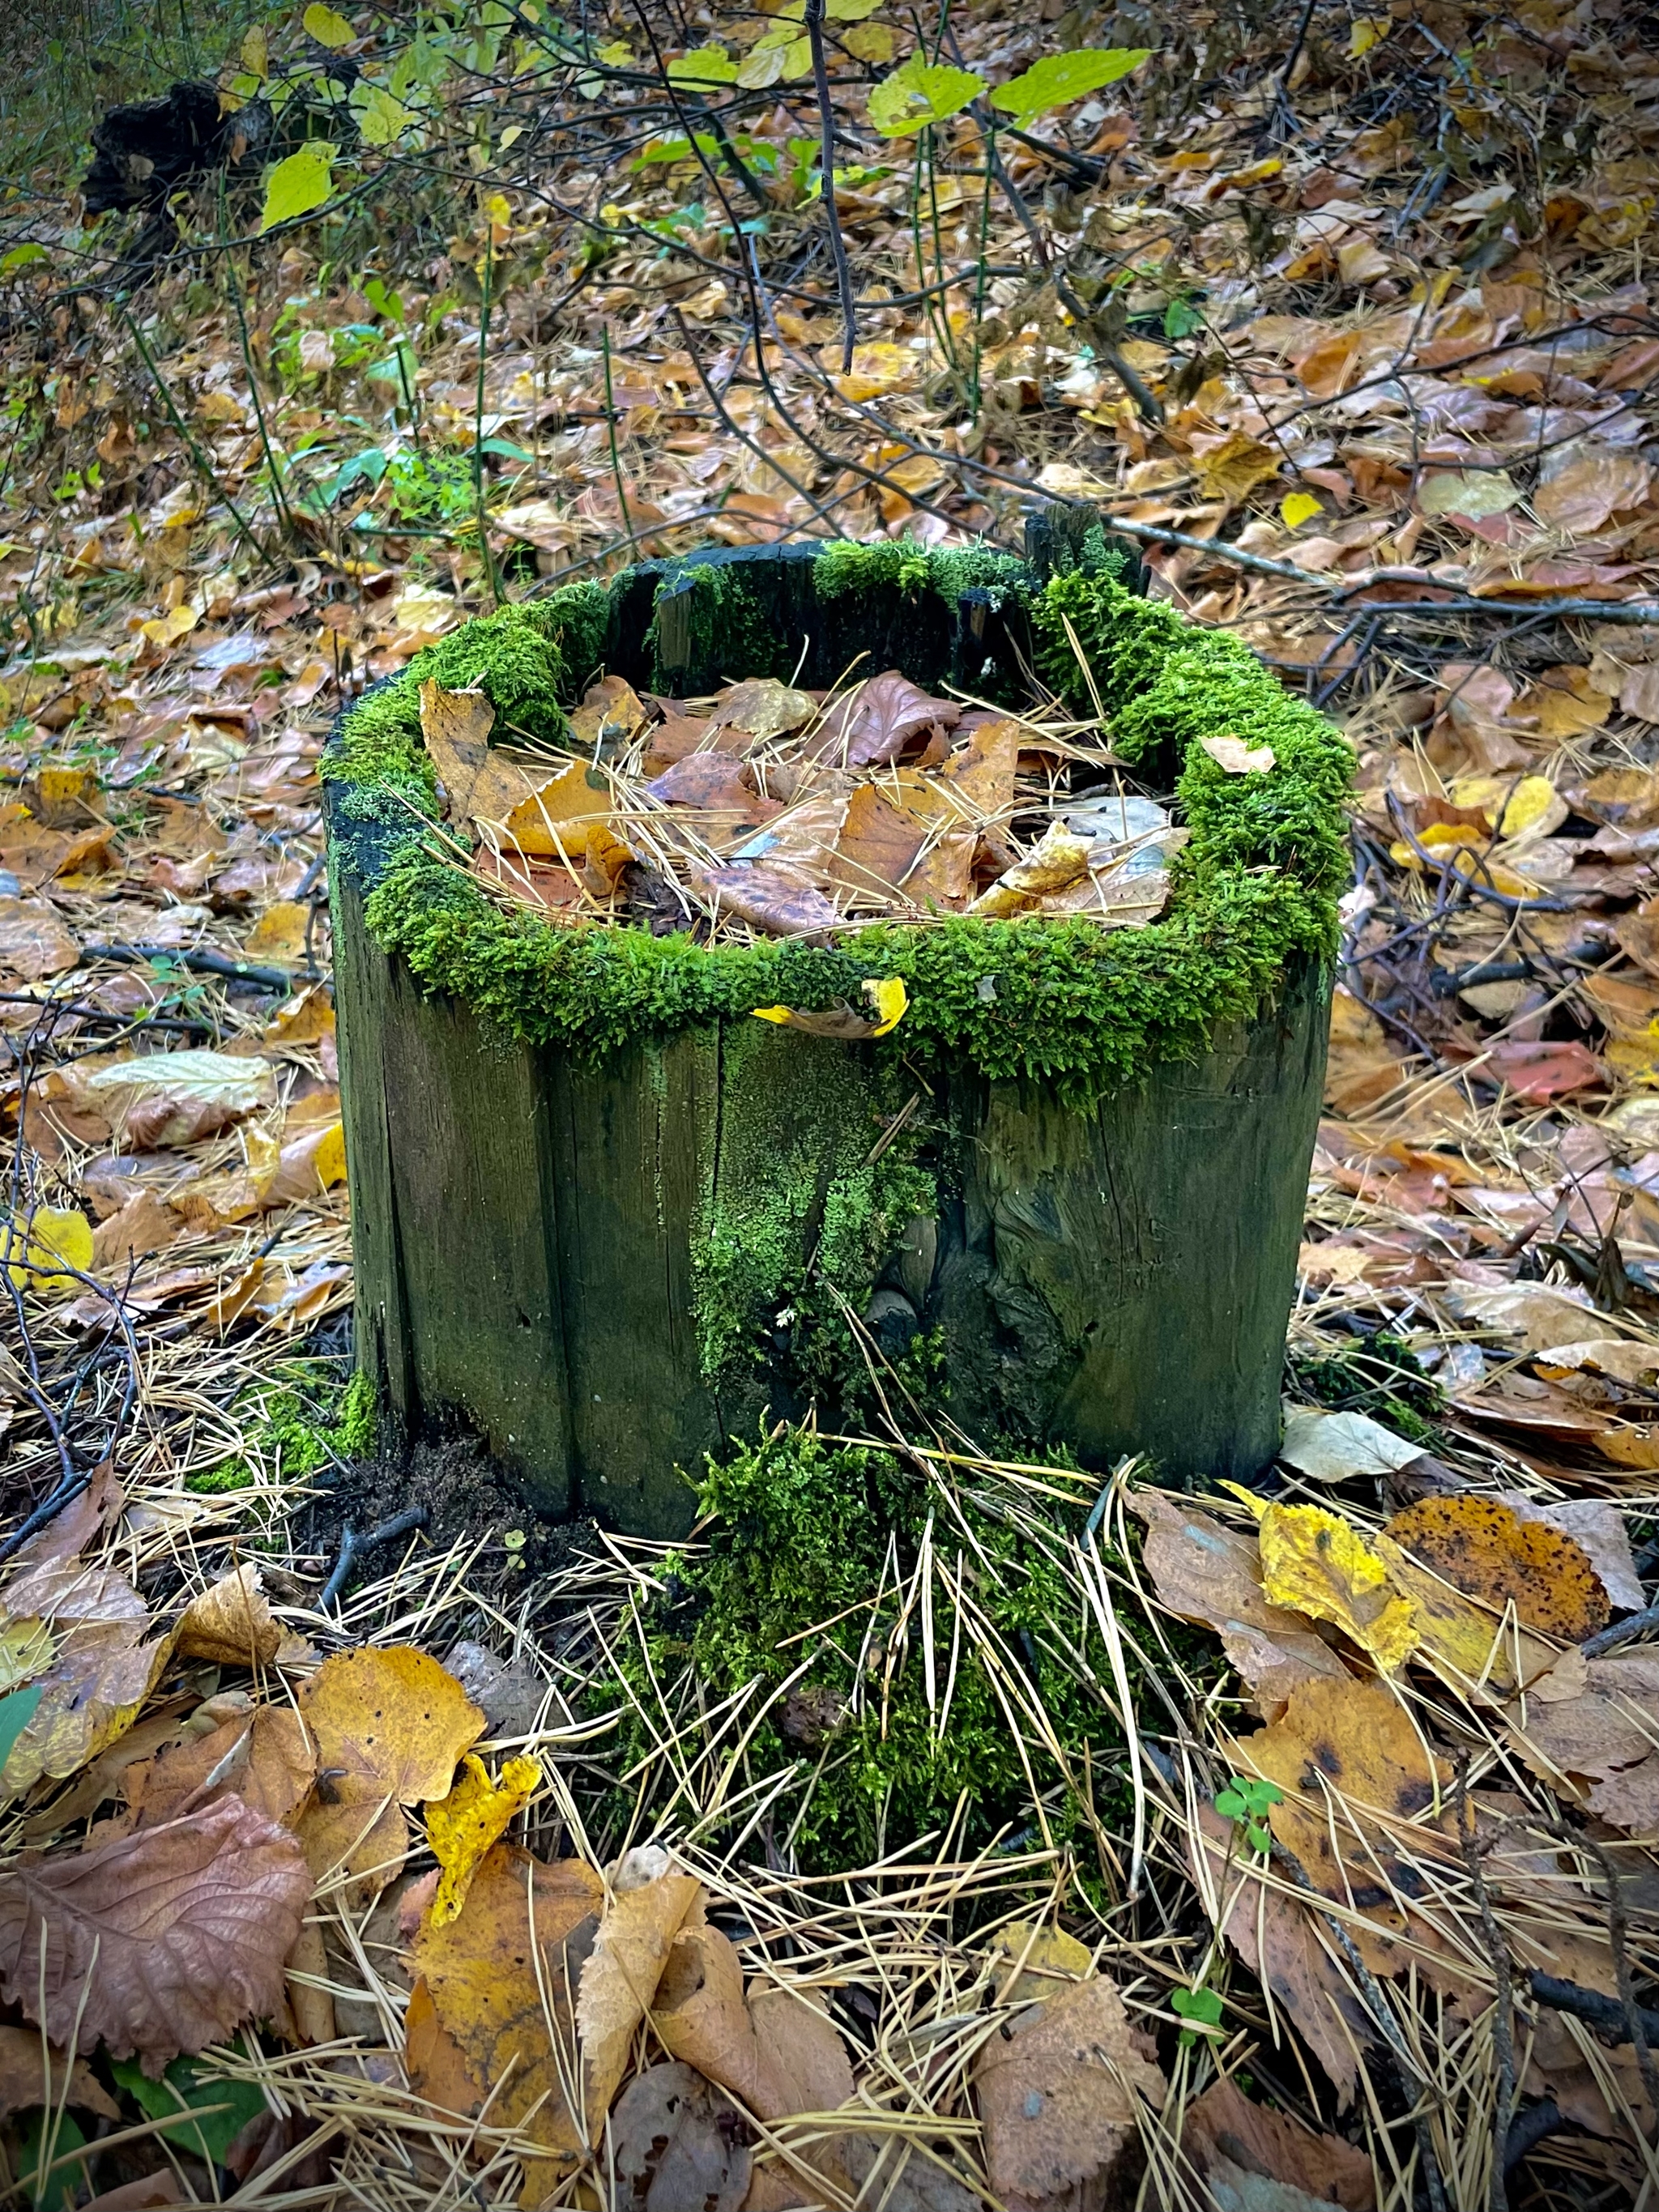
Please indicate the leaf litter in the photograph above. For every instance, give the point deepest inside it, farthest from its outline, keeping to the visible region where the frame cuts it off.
(1399, 416)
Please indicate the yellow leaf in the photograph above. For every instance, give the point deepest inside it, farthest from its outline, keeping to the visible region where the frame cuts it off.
(279, 934)
(888, 996)
(256, 52)
(870, 42)
(879, 367)
(326, 28)
(37, 1252)
(1235, 466)
(299, 185)
(1297, 507)
(167, 630)
(465, 1826)
(1313, 1562)
(1366, 32)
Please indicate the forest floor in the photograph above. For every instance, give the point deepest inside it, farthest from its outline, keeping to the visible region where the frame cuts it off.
(1334, 1880)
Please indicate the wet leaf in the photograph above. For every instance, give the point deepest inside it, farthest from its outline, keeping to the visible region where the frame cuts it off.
(461, 1828)
(1313, 1562)
(1222, 2128)
(231, 1623)
(101, 1673)
(886, 1004)
(159, 1942)
(390, 1728)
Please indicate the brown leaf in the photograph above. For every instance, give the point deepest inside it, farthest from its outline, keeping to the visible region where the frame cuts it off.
(1597, 1744)
(713, 780)
(31, 2076)
(878, 845)
(512, 1957)
(1058, 2096)
(975, 783)
(159, 1942)
(33, 942)
(676, 2143)
(875, 723)
(1585, 494)
(101, 1670)
(145, 1223)
(769, 897)
(306, 1978)
(650, 1898)
(272, 1767)
(437, 2065)
(1212, 1575)
(1482, 1547)
(763, 708)
(231, 1623)
(1223, 2125)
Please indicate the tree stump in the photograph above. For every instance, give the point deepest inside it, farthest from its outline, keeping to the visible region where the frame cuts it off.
(575, 1260)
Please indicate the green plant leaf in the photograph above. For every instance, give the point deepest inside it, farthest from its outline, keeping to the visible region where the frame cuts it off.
(183, 2099)
(1201, 2005)
(381, 119)
(1231, 1804)
(703, 65)
(58, 2191)
(1258, 1839)
(850, 11)
(17, 1712)
(21, 257)
(326, 28)
(1059, 79)
(919, 93)
(297, 185)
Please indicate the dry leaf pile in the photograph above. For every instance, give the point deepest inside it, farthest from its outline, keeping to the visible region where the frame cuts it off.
(778, 812)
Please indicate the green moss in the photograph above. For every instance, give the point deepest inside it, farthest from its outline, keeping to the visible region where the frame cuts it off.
(804, 1533)
(729, 630)
(804, 1219)
(1060, 1001)
(845, 566)
(308, 1421)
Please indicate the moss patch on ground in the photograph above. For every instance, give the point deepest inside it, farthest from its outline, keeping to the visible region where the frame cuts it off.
(911, 1710)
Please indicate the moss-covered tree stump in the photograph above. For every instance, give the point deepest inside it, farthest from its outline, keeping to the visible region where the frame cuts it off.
(608, 1220)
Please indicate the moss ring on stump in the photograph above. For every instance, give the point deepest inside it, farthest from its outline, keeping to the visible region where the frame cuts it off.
(609, 1220)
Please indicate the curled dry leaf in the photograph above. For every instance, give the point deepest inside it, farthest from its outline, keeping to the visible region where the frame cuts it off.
(1483, 1548)
(650, 1898)
(266, 1758)
(676, 2143)
(463, 1827)
(1058, 2096)
(1212, 1576)
(390, 1728)
(879, 720)
(231, 1624)
(1057, 860)
(158, 1943)
(502, 1979)
(700, 2015)
(764, 707)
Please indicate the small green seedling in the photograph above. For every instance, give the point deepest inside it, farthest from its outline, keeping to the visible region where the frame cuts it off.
(1249, 1799)
(1203, 2007)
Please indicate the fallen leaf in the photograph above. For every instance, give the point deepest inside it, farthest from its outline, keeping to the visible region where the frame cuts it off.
(231, 1623)
(167, 1098)
(145, 1223)
(649, 1900)
(876, 723)
(1223, 2126)
(1313, 1562)
(769, 897)
(390, 1728)
(1542, 1072)
(1058, 2095)
(1597, 1745)
(38, 1252)
(33, 942)
(313, 1163)
(1232, 470)
(1598, 1526)
(1236, 758)
(1040, 1961)
(764, 707)
(266, 1758)
(1583, 496)
(676, 2143)
(280, 934)
(878, 845)
(158, 1943)
(887, 1002)
(1483, 1548)
(1212, 1575)
(1058, 859)
(461, 1828)
(32, 2075)
(437, 2065)
(101, 1670)
(699, 2014)
(1332, 1447)
(502, 1979)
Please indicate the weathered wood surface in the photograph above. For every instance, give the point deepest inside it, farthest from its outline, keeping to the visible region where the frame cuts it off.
(525, 1234)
